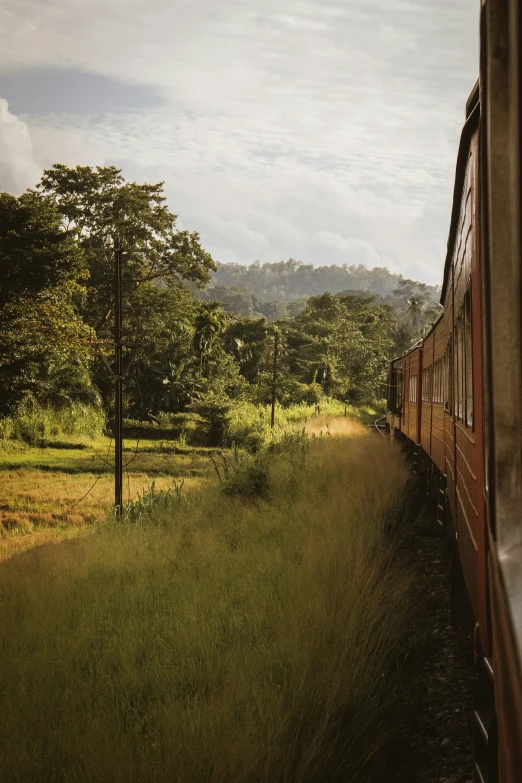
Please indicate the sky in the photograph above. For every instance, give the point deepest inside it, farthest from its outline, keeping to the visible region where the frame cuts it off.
(322, 130)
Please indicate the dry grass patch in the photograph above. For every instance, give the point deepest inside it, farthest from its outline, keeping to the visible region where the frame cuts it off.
(336, 426)
(40, 493)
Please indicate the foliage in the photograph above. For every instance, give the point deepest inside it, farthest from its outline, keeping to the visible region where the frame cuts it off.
(213, 409)
(43, 352)
(96, 203)
(57, 294)
(244, 475)
(44, 355)
(249, 341)
(290, 280)
(33, 424)
(37, 253)
(342, 343)
(208, 325)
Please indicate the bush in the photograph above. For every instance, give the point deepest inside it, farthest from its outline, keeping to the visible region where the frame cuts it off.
(34, 424)
(244, 475)
(213, 411)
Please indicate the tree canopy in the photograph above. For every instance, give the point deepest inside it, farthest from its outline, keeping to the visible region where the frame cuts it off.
(206, 329)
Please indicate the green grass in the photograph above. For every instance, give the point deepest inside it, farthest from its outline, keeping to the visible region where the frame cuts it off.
(154, 457)
(38, 423)
(217, 640)
(250, 424)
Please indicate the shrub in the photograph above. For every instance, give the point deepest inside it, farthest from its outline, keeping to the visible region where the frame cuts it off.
(244, 475)
(34, 424)
(213, 411)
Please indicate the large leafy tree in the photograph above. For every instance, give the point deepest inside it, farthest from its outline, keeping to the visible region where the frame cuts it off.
(166, 361)
(96, 203)
(36, 252)
(43, 340)
(44, 356)
(341, 343)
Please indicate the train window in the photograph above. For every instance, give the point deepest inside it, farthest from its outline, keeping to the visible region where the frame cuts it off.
(426, 384)
(464, 363)
(413, 389)
(399, 387)
(460, 367)
(468, 359)
(438, 382)
(448, 377)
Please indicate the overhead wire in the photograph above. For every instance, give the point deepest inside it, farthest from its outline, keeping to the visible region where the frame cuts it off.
(91, 488)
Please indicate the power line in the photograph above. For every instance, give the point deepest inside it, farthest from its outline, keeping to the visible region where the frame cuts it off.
(91, 489)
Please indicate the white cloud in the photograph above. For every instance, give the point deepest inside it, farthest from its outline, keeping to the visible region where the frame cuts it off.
(18, 167)
(320, 129)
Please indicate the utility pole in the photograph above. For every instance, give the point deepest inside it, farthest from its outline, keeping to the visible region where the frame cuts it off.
(118, 384)
(274, 376)
(116, 371)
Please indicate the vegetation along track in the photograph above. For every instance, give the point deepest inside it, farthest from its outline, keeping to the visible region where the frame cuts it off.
(253, 630)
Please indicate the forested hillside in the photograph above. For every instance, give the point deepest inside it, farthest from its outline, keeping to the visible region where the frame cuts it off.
(279, 290)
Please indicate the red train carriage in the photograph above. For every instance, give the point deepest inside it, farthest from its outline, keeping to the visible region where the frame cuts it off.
(456, 397)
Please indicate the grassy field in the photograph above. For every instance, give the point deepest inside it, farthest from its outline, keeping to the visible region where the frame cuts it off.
(47, 494)
(222, 637)
(53, 492)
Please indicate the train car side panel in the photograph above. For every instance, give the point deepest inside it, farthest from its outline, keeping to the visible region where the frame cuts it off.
(414, 394)
(467, 393)
(437, 415)
(427, 393)
(449, 423)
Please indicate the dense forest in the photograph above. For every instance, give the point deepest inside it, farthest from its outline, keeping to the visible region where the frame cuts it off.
(279, 290)
(199, 333)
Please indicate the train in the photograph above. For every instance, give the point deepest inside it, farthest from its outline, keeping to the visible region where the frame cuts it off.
(455, 397)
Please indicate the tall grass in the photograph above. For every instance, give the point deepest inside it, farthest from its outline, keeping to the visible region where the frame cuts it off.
(38, 424)
(249, 424)
(215, 639)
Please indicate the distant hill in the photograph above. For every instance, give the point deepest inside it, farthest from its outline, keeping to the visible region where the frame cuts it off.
(280, 290)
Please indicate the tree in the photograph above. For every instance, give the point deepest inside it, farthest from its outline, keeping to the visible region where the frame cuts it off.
(180, 388)
(36, 252)
(342, 343)
(415, 310)
(95, 203)
(43, 340)
(163, 324)
(44, 356)
(209, 323)
(247, 340)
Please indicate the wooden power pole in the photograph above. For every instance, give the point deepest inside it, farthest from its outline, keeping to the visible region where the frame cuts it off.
(274, 377)
(117, 372)
(118, 385)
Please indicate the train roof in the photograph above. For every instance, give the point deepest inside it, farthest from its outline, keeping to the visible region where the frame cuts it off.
(470, 126)
(420, 342)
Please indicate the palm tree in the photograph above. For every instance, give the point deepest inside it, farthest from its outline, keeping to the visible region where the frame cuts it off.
(180, 387)
(209, 323)
(415, 310)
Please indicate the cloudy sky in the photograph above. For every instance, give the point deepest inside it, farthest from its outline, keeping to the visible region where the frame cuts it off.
(324, 130)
